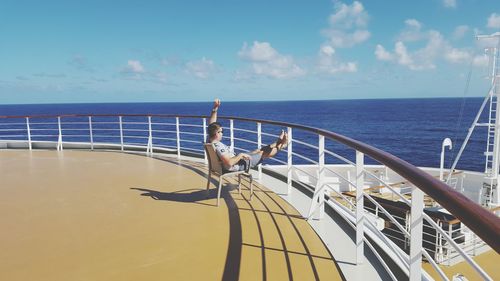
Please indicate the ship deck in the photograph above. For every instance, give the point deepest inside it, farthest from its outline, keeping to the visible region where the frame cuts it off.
(82, 215)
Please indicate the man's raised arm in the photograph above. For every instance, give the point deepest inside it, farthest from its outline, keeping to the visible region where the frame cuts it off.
(213, 115)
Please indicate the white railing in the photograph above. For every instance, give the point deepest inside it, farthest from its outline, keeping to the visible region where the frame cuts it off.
(437, 241)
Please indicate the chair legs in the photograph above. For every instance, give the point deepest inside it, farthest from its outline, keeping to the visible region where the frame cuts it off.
(208, 179)
(219, 188)
(218, 191)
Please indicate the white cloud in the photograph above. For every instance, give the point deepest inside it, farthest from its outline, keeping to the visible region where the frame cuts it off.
(328, 64)
(260, 51)
(412, 31)
(349, 16)
(494, 21)
(266, 61)
(435, 48)
(413, 23)
(202, 69)
(133, 66)
(460, 31)
(347, 25)
(382, 54)
(458, 56)
(402, 55)
(480, 60)
(450, 3)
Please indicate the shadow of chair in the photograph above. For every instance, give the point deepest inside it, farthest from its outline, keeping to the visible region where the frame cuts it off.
(215, 167)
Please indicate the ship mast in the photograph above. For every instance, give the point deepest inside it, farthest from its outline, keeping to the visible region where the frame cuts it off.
(489, 192)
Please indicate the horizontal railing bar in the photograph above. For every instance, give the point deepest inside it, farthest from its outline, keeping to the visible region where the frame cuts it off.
(192, 149)
(74, 129)
(102, 129)
(304, 143)
(160, 138)
(269, 135)
(162, 124)
(244, 140)
(134, 130)
(163, 131)
(134, 123)
(245, 130)
(305, 158)
(277, 160)
(10, 130)
(72, 123)
(191, 141)
(191, 133)
(10, 124)
(190, 125)
(340, 157)
(135, 137)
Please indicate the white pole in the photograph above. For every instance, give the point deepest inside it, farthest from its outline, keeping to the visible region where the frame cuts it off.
(321, 171)
(231, 134)
(150, 138)
(59, 140)
(91, 135)
(28, 130)
(360, 180)
(259, 144)
(446, 142)
(205, 138)
(178, 137)
(289, 162)
(121, 132)
(416, 226)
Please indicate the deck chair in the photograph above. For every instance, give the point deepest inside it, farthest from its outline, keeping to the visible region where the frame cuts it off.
(215, 167)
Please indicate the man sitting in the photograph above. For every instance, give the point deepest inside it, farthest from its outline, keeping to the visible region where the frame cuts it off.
(242, 161)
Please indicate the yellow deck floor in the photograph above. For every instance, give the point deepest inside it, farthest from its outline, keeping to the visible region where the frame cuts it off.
(81, 215)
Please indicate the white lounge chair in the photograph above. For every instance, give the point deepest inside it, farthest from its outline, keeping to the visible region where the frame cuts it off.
(215, 167)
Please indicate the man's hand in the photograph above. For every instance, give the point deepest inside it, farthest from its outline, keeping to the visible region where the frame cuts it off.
(244, 156)
(216, 104)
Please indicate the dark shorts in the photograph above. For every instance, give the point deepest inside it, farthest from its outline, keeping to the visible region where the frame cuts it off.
(245, 165)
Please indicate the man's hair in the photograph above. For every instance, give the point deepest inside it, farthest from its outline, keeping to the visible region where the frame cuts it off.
(213, 128)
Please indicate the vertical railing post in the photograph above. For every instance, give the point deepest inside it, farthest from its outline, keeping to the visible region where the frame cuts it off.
(205, 138)
(91, 134)
(321, 171)
(59, 139)
(150, 138)
(259, 144)
(178, 134)
(289, 162)
(416, 228)
(231, 134)
(360, 212)
(318, 198)
(121, 132)
(29, 132)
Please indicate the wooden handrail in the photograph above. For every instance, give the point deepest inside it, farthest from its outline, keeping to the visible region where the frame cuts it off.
(485, 224)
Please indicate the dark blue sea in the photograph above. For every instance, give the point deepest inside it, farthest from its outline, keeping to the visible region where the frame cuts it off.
(411, 129)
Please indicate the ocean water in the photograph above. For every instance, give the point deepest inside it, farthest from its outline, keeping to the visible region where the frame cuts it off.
(412, 129)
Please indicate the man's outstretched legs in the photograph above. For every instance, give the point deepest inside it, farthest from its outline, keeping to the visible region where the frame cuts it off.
(270, 150)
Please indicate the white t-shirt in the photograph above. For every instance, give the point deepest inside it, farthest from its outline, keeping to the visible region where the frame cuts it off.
(221, 149)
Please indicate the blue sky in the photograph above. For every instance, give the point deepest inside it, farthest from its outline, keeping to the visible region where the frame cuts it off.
(150, 51)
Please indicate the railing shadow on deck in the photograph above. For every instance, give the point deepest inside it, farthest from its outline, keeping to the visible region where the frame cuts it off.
(262, 204)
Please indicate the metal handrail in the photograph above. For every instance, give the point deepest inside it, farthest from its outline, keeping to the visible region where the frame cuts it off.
(480, 221)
